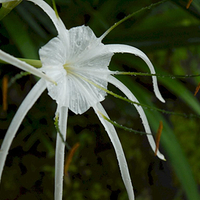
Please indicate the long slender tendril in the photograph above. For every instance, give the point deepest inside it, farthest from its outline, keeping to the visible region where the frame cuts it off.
(124, 127)
(16, 77)
(158, 75)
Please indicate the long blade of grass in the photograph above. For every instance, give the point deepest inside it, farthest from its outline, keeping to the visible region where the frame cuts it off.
(20, 36)
(169, 141)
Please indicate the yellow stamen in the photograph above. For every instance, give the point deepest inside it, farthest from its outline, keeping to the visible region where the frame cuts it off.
(197, 89)
(158, 135)
(188, 5)
(67, 67)
(5, 92)
(69, 158)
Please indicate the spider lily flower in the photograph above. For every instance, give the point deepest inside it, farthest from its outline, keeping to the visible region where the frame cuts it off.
(78, 62)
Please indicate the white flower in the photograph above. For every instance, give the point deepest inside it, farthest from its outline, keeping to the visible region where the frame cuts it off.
(78, 62)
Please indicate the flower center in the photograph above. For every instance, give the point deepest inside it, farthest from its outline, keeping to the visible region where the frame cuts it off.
(67, 67)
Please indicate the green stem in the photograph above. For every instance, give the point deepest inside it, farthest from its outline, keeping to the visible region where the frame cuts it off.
(158, 75)
(133, 102)
(124, 127)
(129, 16)
(59, 132)
(55, 9)
(34, 63)
(17, 76)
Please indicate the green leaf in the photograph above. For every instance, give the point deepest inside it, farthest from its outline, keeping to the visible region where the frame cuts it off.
(169, 141)
(7, 8)
(18, 32)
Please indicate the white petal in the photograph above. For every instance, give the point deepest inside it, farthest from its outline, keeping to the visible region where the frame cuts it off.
(140, 110)
(25, 106)
(81, 39)
(66, 61)
(53, 53)
(120, 48)
(83, 94)
(75, 92)
(51, 13)
(80, 49)
(22, 65)
(86, 49)
(4, 1)
(60, 153)
(118, 149)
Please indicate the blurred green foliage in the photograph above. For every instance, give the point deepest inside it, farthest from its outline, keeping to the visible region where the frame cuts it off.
(169, 35)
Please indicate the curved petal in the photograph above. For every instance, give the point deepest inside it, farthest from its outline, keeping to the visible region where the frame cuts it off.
(118, 149)
(60, 153)
(51, 13)
(120, 48)
(78, 49)
(140, 110)
(23, 65)
(25, 106)
(4, 1)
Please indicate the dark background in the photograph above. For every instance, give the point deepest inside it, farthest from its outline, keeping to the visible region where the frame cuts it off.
(169, 34)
